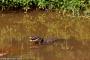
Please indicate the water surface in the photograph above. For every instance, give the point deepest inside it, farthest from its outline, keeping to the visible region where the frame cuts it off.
(73, 35)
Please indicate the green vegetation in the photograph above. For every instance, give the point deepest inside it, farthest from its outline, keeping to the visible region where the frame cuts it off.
(74, 6)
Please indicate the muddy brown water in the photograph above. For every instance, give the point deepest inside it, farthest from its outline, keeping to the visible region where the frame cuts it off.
(73, 35)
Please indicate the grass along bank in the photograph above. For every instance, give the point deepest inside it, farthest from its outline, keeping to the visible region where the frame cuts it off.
(73, 6)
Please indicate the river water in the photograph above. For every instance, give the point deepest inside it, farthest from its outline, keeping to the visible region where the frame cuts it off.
(73, 35)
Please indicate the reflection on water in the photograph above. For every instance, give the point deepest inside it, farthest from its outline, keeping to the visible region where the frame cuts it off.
(73, 35)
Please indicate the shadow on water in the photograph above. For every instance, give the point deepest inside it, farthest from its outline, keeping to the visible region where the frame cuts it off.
(72, 33)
